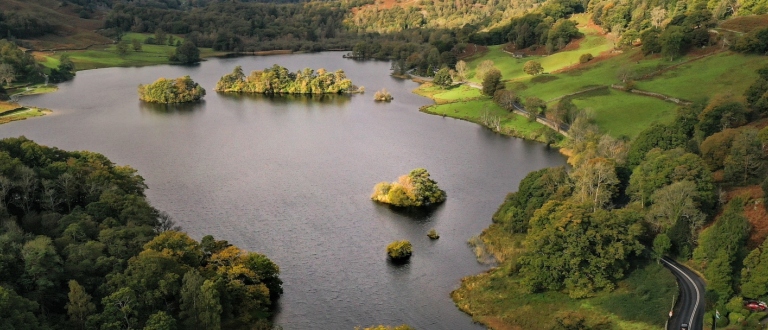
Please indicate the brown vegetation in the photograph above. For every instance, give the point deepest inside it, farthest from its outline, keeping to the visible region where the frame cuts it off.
(745, 23)
(754, 210)
(73, 32)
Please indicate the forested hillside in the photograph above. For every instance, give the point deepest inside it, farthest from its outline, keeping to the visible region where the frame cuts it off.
(81, 248)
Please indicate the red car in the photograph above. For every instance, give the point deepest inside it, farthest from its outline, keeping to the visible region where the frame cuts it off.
(756, 305)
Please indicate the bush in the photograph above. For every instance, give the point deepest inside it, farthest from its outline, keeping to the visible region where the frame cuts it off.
(400, 250)
(433, 234)
(382, 96)
(584, 58)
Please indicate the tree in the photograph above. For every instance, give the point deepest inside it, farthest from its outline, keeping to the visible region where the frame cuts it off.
(461, 70)
(42, 267)
(177, 245)
(443, 78)
(483, 68)
(505, 99)
(533, 68)
(160, 37)
(719, 275)
(746, 162)
(534, 190)
(122, 48)
(160, 321)
(16, 312)
(535, 105)
(492, 82)
(756, 94)
(136, 45)
(79, 307)
(595, 182)
(658, 14)
(716, 148)
(120, 310)
(661, 136)
(651, 41)
(673, 203)
(187, 53)
(584, 58)
(662, 168)
(754, 275)
(721, 243)
(721, 113)
(193, 301)
(574, 247)
(661, 246)
(7, 73)
(674, 41)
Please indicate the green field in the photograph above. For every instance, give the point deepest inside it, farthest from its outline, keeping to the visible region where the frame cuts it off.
(473, 110)
(620, 113)
(452, 94)
(512, 68)
(699, 80)
(106, 56)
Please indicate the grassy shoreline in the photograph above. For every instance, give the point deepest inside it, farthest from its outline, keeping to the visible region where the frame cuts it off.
(468, 104)
(12, 112)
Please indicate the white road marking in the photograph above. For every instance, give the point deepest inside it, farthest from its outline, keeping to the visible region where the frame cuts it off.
(696, 306)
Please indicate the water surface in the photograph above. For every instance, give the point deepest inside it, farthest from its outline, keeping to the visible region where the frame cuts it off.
(291, 178)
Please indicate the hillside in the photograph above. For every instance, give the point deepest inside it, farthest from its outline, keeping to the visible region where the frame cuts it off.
(678, 106)
(70, 31)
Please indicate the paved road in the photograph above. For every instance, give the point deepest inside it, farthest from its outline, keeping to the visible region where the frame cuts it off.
(690, 306)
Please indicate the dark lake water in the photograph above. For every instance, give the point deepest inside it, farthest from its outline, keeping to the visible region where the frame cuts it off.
(291, 178)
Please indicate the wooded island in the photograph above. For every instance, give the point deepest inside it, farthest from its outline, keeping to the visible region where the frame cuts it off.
(278, 80)
(179, 90)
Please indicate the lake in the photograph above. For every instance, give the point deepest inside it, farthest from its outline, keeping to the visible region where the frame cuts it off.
(291, 177)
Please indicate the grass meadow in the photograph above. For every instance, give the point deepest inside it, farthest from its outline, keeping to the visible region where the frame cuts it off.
(107, 56)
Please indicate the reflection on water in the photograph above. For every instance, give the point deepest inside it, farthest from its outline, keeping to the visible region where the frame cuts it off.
(421, 214)
(332, 100)
(174, 108)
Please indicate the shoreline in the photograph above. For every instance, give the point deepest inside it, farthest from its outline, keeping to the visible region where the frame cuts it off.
(506, 131)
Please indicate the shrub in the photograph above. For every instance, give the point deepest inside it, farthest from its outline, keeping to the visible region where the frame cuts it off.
(433, 234)
(400, 250)
(382, 96)
(584, 58)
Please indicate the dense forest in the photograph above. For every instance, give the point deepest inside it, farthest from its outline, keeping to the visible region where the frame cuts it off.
(278, 80)
(81, 248)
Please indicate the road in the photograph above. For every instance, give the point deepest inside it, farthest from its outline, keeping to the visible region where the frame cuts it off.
(690, 305)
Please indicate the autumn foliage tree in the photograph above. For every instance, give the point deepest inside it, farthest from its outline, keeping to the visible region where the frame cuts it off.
(413, 190)
(278, 80)
(179, 90)
(533, 68)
